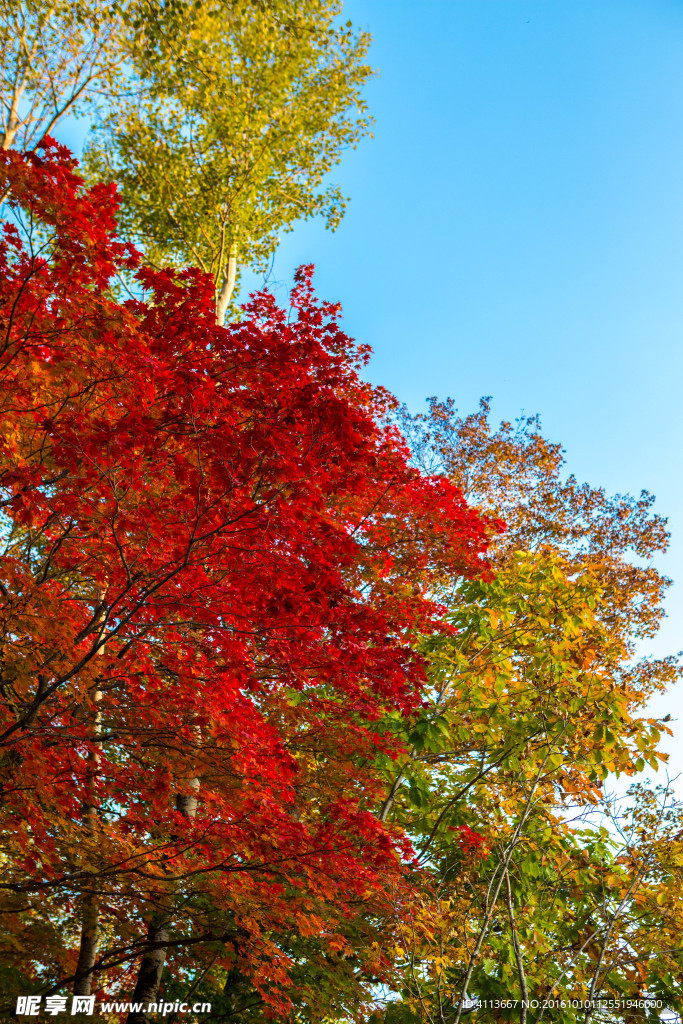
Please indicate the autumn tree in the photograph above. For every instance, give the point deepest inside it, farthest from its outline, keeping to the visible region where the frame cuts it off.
(57, 60)
(219, 122)
(503, 792)
(216, 555)
(533, 882)
(239, 113)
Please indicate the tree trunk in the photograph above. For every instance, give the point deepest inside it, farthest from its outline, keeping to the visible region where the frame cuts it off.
(87, 953)
(8, 136)
(151, 968)
(152, 965)
(13, 122)
(227, 287)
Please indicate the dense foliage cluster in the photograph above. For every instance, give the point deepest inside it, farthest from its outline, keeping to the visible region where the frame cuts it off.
(215, 559)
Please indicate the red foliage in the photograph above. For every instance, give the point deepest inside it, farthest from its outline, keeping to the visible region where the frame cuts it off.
(212, 527)
(471, 841)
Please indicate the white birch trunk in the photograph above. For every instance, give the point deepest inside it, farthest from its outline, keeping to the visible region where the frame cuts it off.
(227, 287)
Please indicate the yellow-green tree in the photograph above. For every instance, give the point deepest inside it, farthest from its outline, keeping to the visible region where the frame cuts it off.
(534, 885)
(237, 113)
(220, 121)
(521, 893)
(58, 58)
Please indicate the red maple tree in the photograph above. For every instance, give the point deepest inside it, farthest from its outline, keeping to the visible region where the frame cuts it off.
(216, 554)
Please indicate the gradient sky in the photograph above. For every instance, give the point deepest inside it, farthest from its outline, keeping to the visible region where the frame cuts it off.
(516, 230)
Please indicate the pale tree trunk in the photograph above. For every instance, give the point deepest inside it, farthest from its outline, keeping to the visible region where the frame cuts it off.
(12, 129)
(158, 933)
(13, 119)
(9, 135)
(227, 286)
(87, 953)
(391, 796)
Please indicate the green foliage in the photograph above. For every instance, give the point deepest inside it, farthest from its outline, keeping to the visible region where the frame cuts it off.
(529, 715)
(236, 115)
(555, 892)
(58, 58)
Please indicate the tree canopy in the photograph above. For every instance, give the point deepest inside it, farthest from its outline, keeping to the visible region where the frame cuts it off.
(220, 122)
(210, 585)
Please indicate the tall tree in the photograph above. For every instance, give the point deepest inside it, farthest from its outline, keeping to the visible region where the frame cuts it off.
(239, 112)
(534, 883)
(215, 557)
(219, 121)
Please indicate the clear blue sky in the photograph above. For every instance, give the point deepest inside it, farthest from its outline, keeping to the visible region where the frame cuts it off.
(516, 230)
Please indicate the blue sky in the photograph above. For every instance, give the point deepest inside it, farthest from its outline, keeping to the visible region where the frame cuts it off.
(516, 230)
